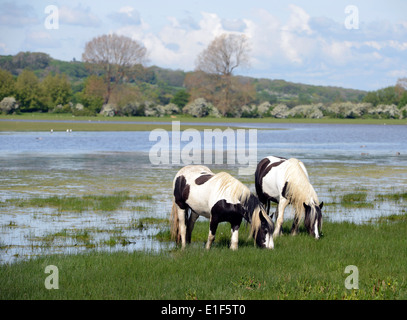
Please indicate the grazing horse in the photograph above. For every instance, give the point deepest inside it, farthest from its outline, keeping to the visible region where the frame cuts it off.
(218, 197)
(286, 182)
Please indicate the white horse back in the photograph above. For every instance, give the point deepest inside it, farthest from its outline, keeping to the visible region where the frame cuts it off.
(274, 180)
(204, 195)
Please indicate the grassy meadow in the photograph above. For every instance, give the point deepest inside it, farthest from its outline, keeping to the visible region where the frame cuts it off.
(27, 122)
(298, 268)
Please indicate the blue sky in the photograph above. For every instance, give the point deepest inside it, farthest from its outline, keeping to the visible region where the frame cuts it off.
(299, 41)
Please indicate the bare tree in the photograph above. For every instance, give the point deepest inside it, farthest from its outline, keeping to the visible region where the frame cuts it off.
(402, 83)
(114, 55)
(223, 55)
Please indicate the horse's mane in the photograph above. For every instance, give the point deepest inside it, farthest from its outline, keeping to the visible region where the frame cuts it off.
(228, 185)
(299, 190)
(240, 193)
(255, 211)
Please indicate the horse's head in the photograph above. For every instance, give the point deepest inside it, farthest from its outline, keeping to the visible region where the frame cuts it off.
(262, 226)
(264, 234)
(313, 219)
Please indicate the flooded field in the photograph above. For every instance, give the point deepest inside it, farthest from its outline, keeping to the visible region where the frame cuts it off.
(72, 192)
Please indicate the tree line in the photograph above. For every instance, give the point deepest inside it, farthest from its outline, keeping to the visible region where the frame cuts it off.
(113, 80)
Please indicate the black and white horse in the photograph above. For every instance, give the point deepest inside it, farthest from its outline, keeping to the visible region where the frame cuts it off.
(218, 197)
(286, 182)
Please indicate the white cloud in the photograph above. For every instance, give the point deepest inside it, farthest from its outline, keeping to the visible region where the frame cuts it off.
(288, 45)
(40, 40)
(292, 38)
(78, 16)
(176, 44)
(380, 45)
(300, 47)
(3, 48)
(13, 15)
(400, 46)
(237, 25)
(264, 34)
(126, 16)
(397, 73)
(298, 21)
(374, 44)
(336, 52)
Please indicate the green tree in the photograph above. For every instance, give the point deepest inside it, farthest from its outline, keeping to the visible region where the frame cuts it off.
(7, 86)
(33, 60)
(57, 89)
(387, 95)
(29, 92)
(92, 96)
(304, 98)
(181, 98)
(403, 99)
(371, 97)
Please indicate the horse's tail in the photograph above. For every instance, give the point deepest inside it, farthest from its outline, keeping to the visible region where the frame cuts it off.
(174, 223)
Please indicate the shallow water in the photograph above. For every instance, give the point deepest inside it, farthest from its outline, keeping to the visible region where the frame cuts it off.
(340, 159)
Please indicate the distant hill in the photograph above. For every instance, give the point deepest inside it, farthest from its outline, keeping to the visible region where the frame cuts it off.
(298, 93)
(169, 81)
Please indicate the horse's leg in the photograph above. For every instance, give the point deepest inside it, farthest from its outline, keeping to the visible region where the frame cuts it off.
(294, 228)
(190, 226)
(213, 225)
(280, 216)
(234, 241)
(274, 213)
(182, 225)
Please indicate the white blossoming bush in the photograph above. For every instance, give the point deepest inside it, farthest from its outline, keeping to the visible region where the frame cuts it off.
(403, 112)
(147, 108)
(280, 111)
(264, 109)
(8, 105)
(201, 108)
(171, 109)
(153, 110)
(108, 110)
(347, 109)
(246, 111)
(306, 111)
(386, 112)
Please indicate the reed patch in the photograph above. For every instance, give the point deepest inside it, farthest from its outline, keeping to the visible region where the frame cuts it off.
(79, 204)
(356, 200)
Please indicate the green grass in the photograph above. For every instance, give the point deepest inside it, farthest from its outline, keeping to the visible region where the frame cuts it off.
(298, 268)
(93, 123)
(393, 196)
(79, 204)
(356, 200)
(27, 123)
